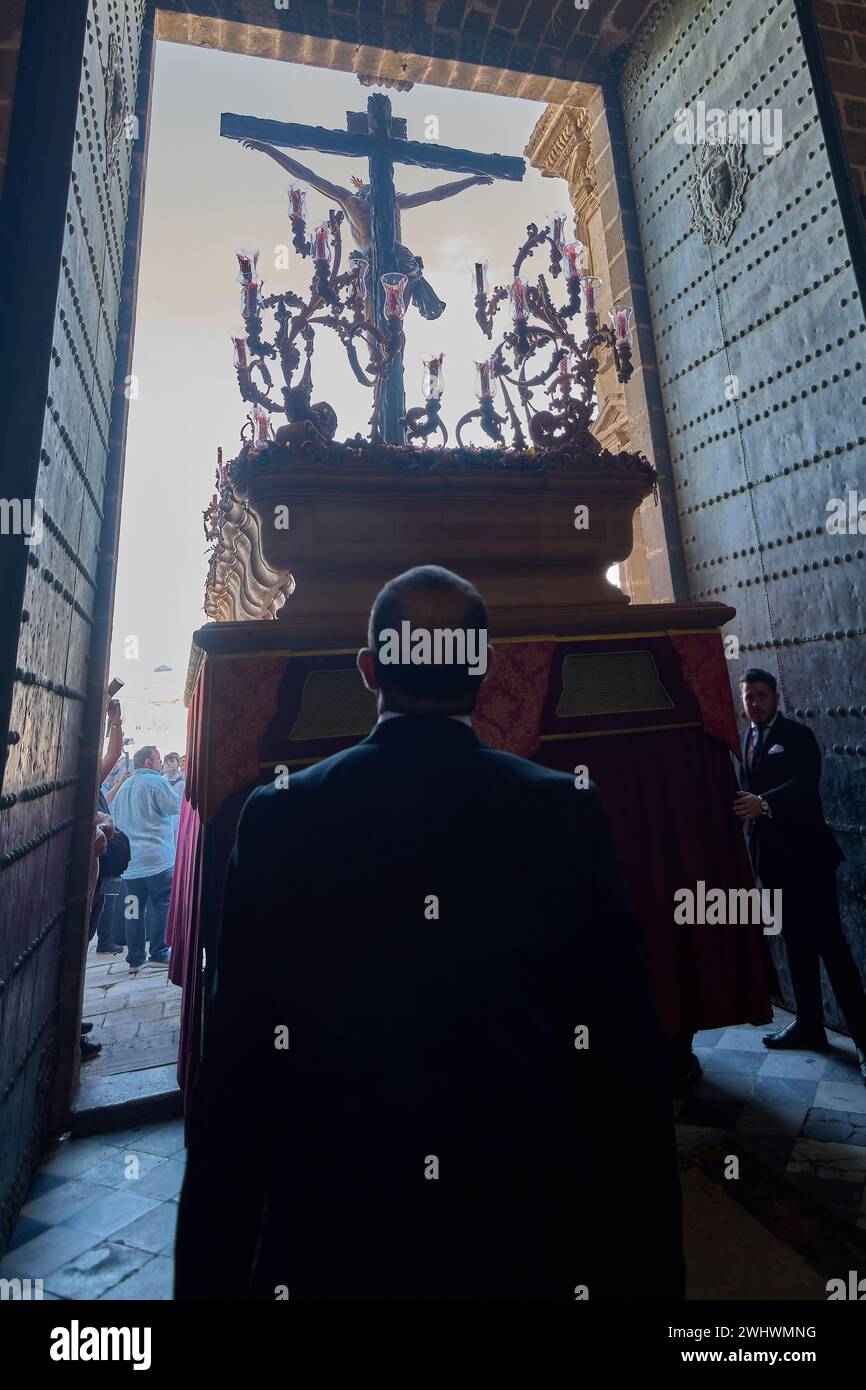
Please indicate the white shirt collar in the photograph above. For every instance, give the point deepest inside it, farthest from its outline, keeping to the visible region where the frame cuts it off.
(401, 714)
(764, 729)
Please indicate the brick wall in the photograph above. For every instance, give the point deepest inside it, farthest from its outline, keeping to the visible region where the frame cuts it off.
(842, 26)
(546, 38)
(11, 23)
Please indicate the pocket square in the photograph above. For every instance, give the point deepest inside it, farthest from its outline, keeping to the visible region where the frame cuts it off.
(776, 748)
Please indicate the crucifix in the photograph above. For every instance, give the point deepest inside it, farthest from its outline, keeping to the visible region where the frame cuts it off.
(373, 210)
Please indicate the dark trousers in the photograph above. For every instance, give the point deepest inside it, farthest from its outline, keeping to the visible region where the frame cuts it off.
(811, 930)
(153, 894)
(110, 932)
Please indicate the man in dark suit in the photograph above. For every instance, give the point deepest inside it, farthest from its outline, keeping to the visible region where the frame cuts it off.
(793, 849)
(431, 1036)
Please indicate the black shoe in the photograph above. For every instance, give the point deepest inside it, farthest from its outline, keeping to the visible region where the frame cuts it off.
(795, 1035)
(87, 1027)
(109, 950)
(89, 1049)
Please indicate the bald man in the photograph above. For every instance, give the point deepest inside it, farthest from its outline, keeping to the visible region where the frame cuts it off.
(421, 1096)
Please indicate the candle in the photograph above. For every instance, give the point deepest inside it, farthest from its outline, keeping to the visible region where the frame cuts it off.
(432, 383)
(519, 304)
(250, 299)
(261, 428)
(483, 389)
(321, 243)
(394, 284)
(591, 286)
(247, 260)
(239, 340)
(556, 228)
(479, 271)
(297, 202)
(359, 267)
(622, 323)
(574, 253)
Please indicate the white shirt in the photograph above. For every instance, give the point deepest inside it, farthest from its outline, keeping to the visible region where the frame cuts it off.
(144, 809)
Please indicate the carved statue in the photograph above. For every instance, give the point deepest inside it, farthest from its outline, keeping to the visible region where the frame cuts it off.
(356, 206)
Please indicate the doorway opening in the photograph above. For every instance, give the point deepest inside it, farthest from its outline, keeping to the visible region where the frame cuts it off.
(206, 198)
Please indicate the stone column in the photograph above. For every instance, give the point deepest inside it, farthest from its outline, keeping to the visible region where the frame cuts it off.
(561, 147)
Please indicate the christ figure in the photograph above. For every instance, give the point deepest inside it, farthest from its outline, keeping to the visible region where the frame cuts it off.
(357, 209)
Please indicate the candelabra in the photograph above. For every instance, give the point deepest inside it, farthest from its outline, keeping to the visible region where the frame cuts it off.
(342, 302)
(338, 301)
(569, 376)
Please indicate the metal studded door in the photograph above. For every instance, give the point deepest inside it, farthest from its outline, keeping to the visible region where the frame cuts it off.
(759, 332)
(69, 272)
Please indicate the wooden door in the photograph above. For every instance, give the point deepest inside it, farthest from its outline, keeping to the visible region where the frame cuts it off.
(69, 228)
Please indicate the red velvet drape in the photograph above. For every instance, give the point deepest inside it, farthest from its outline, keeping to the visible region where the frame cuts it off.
(663, 769)
(669, 798)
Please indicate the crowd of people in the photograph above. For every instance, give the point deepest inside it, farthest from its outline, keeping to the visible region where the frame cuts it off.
(135, 844)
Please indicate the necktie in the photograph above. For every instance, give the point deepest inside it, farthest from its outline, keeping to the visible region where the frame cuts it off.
(755, 747)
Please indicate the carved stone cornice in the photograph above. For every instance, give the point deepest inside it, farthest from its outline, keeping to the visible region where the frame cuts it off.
(610, 427)
(560, 147)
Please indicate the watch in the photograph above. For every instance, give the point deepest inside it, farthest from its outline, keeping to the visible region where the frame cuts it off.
(765, 808)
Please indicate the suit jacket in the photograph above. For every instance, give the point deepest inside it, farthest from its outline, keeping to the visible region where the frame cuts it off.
(430, 923)
(795, 837)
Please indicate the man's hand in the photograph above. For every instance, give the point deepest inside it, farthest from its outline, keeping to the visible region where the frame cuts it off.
(105, 824)
(114, 713)
(747, 806)
(256, 145)
(484, 178)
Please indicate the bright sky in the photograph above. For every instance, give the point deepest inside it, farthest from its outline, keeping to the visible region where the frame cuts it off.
(207, 197)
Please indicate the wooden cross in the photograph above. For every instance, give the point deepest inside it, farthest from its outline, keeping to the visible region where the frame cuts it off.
(380, 138)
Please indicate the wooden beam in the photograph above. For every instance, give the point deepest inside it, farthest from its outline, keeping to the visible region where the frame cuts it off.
(358, 121)
(422, 153)
(383, 256)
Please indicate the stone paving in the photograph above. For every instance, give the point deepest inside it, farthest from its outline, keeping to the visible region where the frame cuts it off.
(100, 1215)
(136, 1017)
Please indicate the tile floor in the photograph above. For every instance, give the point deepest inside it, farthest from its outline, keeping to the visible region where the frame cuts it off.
(801, 1115)
(100, 1215)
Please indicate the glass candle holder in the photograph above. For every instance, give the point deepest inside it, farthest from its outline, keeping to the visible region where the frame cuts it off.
(432, 382)
(394, 284)
(297, 202)
(556, 228)
(240, 346)
(622, 320)
(566, 365)
(322, 243)
(484, 380)
(574, 255)
(591, 287)
(517, 294)
(248, 263)
(250, 298)
(262, 432)
(360, 267)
